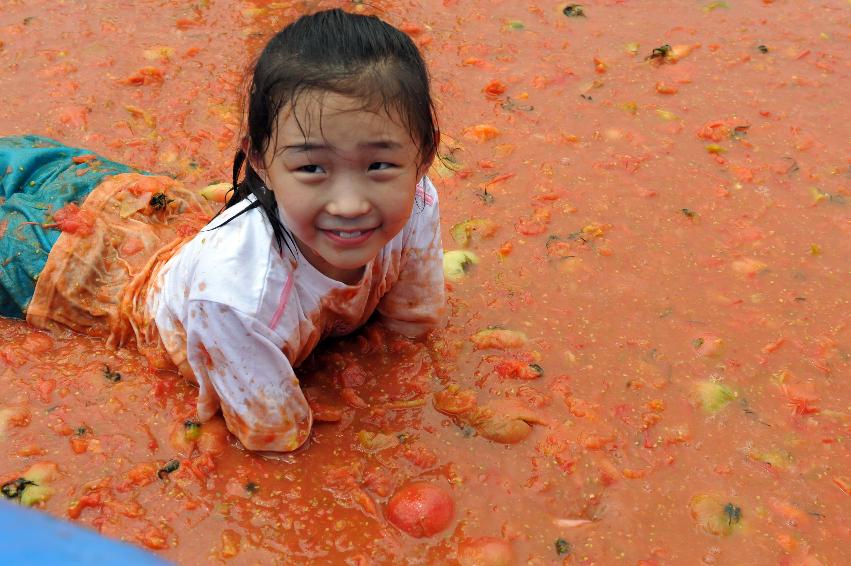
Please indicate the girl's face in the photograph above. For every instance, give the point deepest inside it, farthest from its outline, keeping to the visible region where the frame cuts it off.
(344, 179)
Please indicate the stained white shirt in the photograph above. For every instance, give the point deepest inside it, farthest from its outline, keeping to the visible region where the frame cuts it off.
(236, 315)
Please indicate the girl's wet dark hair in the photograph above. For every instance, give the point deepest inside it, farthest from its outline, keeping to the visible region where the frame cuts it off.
(332, 51)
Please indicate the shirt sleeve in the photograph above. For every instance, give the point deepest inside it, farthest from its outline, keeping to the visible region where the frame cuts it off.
(239, 367)
(416, 303)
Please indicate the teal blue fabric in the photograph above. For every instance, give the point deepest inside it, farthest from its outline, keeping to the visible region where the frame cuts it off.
(37, 178)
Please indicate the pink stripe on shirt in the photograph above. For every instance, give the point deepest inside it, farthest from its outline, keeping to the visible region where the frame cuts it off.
(282, 303)
(421, 193)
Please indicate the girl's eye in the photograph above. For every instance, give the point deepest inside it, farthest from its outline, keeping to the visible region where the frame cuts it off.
(380, 166)
(310, 169)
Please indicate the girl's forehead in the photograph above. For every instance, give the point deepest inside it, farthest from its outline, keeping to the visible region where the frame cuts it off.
(322, 113)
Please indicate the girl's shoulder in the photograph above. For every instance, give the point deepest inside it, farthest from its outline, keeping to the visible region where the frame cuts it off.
(238, 232)
(233, 260)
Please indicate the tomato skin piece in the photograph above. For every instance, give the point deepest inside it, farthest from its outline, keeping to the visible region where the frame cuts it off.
(71, 219)
(843, 484)
(501, 428)
(76, 507)
(486, 551)
(324, 413)
(352, 376)
(494, 88)
(37, 343)
(153, 538)
(505, 421)
(420, 509)
(454, 401)
(131, 246)
(214, 437)
(481, 132)
(352, 399)
(498, 338)
(178, 440)
(665, 88)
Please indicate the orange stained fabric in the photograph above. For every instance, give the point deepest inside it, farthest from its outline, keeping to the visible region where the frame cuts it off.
(100, 270)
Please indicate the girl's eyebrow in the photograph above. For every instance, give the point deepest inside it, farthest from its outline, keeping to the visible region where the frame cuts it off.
(301, 147)
(378, 144)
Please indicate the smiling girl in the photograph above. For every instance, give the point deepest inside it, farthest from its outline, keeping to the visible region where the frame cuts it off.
(332, 220)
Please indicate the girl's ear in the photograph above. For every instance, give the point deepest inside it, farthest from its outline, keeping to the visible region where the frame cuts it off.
(254, 159)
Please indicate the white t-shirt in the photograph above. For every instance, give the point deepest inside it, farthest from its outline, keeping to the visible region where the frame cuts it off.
(236, 316)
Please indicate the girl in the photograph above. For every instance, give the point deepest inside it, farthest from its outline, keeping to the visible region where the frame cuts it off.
(331, 220)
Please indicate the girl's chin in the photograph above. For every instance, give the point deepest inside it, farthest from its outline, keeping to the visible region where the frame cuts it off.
(340, 264)
(347, 275)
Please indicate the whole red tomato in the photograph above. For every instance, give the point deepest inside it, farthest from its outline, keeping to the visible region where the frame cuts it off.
(420, 509)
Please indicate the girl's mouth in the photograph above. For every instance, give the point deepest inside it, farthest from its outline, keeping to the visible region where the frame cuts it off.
(349, 237)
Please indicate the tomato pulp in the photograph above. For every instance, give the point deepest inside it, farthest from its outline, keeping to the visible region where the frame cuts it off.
(648, 353)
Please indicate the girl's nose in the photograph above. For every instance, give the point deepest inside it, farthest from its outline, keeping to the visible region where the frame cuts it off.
(347, 202)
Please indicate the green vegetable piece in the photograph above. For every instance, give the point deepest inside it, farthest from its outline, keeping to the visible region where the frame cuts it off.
(171, 466)
(574, 11)
(714, 516)
(377, 441)
(447, 165)
(562, 547)
(512, 106)
(251, 488)
(762, 48)
(159, 201)
(463, 231)
(691, 214)
(14, 489)
(775, 458)
(793, 166)
(41, 473)
(739, 132)
(110, 375)
(667, 115)
(485, 196)
(716, 149)
(457, 263)
(714, 396)
(630, 107)
(34, 494)
(515, 25)
(715, 5)
(537, 369)
(659, 53)
(191, 430)
(733, 513)
(26, 490)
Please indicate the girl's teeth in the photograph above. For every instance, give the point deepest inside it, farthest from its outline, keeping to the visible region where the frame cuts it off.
(348, 235)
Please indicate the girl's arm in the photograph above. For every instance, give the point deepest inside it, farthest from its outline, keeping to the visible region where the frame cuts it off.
(239, 367)
(417, 303)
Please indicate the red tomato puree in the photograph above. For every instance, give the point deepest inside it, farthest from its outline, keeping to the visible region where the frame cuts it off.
(647, 360)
